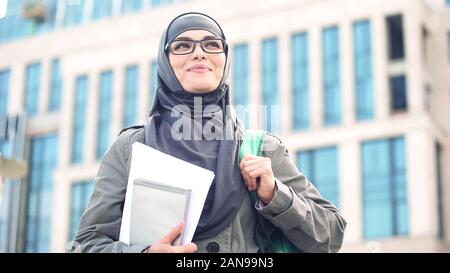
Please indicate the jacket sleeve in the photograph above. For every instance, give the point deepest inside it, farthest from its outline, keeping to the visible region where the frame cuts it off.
(309, 221)
(99, 226)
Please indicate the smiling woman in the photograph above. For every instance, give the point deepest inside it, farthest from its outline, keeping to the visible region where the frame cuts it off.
(193, 66)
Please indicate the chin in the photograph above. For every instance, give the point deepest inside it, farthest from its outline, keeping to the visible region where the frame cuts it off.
(204, 88)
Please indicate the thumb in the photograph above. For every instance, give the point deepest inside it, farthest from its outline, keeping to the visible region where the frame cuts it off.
(173, 234)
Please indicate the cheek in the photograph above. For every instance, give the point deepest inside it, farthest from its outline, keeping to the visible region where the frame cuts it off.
(177, 66)
(220, 67)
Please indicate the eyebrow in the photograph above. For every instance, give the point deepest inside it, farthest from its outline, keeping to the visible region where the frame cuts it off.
(189, 38)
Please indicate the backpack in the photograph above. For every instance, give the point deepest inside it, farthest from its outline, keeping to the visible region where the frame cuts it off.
(269, 238)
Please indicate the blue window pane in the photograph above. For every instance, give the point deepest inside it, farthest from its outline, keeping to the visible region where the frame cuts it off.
(153, 81)
(15, 26)
(131, 5)
(55, 86)
(4, 91)
(331, 76)
(321, 168)
(156, 3)
(42, 163)
(74, 12)
(130, 96)
(81, 193)
(102, 8)
(398, 93)
(396, 39)
(270, 85)
(300, 81)
(384, 188)
(240, 82)
(105, 112)
(362, 44)
(81, 92)
(32, 87)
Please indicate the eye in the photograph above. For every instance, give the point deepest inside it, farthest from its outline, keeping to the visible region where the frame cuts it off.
(181, 45)
(212, 44)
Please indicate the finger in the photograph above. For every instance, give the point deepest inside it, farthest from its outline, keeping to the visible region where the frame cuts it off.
(258, 165)
(173, 234)
(248, 181)
(247, 158)
(189, 248)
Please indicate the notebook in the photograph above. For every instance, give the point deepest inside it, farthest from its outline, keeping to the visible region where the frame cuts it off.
(156, 209)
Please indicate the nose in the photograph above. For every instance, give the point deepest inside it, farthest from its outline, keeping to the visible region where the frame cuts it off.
(198, 52)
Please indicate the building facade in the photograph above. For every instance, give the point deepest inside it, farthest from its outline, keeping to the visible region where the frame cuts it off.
(359, 92)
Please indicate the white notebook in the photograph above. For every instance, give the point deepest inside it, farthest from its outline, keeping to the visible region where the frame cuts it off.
(156, 209)
(156, 166)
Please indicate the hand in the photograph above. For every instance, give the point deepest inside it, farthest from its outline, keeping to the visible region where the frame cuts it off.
(253, 167)
(165, 244)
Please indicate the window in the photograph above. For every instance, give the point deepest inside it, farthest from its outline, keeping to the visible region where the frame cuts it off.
(43, 158)
(131, 5)
(300, 81)
(331, 76)
(130, 95)
(4, 91)
(156, 3)
(240, 82)
(362, 55)
(32, 82)
(153, 81)
(102, 8)
(81, 193)
(385, 203)
(105, 112)
(55, 86)
(448, 2)
(74, 12)
(79, 122)
(321, 168)
(396, 37)
(270, 85)
(398, 93)
(15, 26)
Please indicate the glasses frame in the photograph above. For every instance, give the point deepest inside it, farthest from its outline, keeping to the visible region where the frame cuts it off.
(169, 45)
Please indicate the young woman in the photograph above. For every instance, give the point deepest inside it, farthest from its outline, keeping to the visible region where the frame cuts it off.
(193, 70)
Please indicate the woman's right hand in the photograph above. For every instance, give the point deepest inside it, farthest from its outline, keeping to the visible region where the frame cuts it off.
(165, 244)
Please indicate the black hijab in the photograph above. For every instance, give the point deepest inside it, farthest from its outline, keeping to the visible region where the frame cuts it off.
(218, 155)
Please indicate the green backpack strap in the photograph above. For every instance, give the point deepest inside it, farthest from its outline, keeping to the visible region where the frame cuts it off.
(252, 143)
(274, 241)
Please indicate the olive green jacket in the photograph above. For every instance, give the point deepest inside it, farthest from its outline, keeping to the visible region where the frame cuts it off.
(308, 220)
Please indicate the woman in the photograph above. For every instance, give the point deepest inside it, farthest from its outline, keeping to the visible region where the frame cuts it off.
(193, 66)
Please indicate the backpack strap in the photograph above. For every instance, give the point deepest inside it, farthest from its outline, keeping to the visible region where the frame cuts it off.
(252, 143)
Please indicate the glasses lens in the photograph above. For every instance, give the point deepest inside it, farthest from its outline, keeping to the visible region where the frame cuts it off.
(212, 46)
(181, 47)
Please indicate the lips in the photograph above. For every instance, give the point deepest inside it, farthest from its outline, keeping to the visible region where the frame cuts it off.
(199, 68)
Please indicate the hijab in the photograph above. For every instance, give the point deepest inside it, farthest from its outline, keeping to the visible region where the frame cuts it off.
(221, 155)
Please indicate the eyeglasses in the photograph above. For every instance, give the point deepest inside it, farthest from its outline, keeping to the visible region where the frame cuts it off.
(187, 46)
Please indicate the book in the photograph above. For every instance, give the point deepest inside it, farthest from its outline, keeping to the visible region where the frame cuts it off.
(156, 209)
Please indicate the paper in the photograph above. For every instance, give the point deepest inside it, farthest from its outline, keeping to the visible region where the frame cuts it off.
(153, 165)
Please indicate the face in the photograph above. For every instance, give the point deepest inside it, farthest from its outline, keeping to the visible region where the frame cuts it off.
(198, 72)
